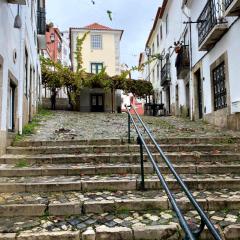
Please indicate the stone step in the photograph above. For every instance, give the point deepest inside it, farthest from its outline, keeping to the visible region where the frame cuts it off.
(78, 203)
(134, 158)
(124, 225)
(82, 149)
(115, 182)
(7, 170)
(117, 141)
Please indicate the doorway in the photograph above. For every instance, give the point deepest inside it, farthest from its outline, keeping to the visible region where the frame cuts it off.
(177, 101)
(188, 99)
(199, 93)
(30, 95)
(97, 102)
(168, 96)
(11, 108)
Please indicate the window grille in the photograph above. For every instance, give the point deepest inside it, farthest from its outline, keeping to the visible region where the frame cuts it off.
(219, 88)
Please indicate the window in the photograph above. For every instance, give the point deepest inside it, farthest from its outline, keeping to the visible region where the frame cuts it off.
(161, 33)
(153, 49)
(25, 87)
(166, 24)
(157, 40)
(96, 67)
(153, 75)
(219, 89)
(96, 41)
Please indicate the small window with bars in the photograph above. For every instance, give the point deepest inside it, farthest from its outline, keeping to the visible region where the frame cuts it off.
(219, 87)
(96, 41)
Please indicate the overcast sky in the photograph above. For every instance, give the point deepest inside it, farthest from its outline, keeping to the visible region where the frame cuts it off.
(135, 17)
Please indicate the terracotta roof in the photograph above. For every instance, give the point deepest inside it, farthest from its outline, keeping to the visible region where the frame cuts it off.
(165, 2)
(96, 26)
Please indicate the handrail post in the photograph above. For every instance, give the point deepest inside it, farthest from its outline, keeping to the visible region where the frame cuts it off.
(129, 129)
(142, 163)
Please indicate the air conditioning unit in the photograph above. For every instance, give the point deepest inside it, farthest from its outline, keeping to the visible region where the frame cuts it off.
(20, 2)
(236, 107)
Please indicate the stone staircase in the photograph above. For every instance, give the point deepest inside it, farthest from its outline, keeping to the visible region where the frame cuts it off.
(89, 190)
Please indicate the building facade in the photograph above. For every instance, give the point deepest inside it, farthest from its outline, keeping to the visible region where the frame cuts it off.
(54, 43)
(101, 48)
(65, 49)
(198, 52)
(22, 25)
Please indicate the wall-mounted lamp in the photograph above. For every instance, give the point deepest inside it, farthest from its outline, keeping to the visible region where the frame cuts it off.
(18, 20)
(148, 51)
(52, 37)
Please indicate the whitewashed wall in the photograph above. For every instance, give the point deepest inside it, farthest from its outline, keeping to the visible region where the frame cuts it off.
(12, 39)
(228, 43)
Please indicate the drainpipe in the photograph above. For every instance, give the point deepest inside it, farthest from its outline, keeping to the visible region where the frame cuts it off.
(21, 74)
(191, 100)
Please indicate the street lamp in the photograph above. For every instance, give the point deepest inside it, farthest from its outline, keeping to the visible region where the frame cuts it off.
(18, 20)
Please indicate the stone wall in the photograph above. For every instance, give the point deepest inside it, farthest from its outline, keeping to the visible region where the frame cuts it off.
(218, 118)
(222, 119)
(3, 142)
(233, 121)
(61, 103)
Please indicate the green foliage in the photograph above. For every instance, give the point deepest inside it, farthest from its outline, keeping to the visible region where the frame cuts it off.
(22, 164)
(56, 76)
(31, 127)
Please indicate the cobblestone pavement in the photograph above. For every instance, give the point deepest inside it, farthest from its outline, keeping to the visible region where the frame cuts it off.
(77, 196)
(124, 219)
(113, 177)
(73, 125)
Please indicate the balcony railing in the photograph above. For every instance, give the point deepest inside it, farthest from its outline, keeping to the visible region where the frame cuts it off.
(41, 21)
(165, 74)
(232, 7)
(183, 62)
(228, 3)
(20, 2)
(211, 24)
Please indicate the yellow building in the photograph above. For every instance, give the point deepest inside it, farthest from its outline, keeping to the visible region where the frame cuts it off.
(101, 48)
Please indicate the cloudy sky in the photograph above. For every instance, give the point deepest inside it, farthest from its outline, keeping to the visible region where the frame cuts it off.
(135, 17)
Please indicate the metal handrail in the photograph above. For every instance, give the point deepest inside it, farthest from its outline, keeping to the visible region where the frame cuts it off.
(192, 235)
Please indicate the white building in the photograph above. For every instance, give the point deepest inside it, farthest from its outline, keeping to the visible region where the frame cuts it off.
(21, 31)
(197, 41)
(65, 49)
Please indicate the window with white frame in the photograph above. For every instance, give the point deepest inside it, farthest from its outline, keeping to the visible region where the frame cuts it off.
(96, 67)
(96, 41)
(153, 48)
(158, 71)
(166, 24)
(157, 40)
(161, 32)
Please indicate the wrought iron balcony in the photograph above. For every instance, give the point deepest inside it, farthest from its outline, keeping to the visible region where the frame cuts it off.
(165, 74)
(41, 21)
(232, 7)
(211, 25)
(183, 62)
